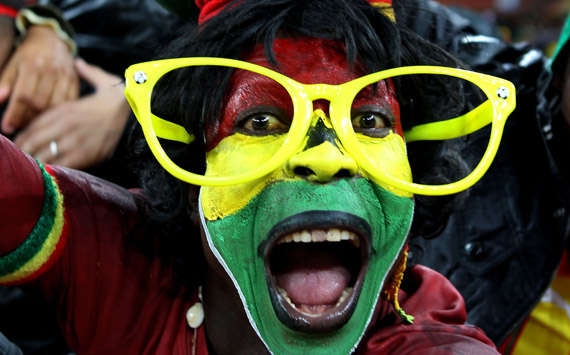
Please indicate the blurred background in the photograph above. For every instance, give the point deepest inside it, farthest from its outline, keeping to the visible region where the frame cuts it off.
(536, 21)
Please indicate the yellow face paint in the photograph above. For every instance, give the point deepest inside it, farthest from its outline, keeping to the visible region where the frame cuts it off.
(236, 154)
(391, 156)
(239, 153)
(319, 157)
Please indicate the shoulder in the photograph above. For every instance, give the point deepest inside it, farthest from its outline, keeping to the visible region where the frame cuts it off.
(84, 191)
(439, 326)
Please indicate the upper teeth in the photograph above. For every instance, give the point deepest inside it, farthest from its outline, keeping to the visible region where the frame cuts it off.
(319, 235)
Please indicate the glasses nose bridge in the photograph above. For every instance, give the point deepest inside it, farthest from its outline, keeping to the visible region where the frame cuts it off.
(322, 92)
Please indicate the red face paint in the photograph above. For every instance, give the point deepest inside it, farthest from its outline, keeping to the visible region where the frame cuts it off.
(307, 60)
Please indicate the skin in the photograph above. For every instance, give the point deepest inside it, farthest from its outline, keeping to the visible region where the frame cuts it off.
(39, 74)
(223, 307)
(7, 36)
(87, 130)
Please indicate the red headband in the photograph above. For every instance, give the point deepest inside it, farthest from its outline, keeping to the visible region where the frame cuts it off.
(210, 8)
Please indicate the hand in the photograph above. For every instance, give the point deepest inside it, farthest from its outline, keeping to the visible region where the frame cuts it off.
(86, 130)
(40, 74)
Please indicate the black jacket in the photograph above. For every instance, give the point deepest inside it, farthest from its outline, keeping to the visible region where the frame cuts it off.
(502, 247)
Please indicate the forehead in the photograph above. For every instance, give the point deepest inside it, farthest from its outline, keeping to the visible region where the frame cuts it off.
(307, 60)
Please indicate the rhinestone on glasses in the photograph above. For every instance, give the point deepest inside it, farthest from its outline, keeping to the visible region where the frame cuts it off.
(140, 77)
(503, 93)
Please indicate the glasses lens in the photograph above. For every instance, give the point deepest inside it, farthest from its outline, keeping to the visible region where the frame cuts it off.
(247, 116)
(444, 119)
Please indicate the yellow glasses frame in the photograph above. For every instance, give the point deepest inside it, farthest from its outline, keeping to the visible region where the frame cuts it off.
(142, 77)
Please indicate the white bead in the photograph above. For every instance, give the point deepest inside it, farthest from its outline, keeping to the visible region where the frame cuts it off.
(195, 315)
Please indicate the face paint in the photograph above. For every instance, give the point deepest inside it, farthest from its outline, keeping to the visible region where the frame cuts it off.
(243, 223)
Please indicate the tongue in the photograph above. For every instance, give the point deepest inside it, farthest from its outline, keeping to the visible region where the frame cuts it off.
(312, 276)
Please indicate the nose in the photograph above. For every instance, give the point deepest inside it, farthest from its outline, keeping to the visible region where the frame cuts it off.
(322, 158)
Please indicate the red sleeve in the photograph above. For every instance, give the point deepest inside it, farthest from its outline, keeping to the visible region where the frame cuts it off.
(439, 325)
(21, 195)
(111, 296)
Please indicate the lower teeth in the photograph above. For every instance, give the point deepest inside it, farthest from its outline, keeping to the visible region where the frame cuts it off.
(314, 310)
(344, 295)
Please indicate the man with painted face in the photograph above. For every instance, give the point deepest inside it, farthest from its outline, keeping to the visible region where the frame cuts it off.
(306, 201)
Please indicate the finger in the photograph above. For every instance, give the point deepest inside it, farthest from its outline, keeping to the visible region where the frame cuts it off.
(71, 159)
(44, 89)
(72, 92)
(95, 75)
(37, 135)
(51, 150)
(45, 155)
(16, 114)
(47, 120)
(4, 93)
(7, 80)
(67, 154)
(60, 93)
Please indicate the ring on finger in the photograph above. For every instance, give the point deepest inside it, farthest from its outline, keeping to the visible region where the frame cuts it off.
(54, 150)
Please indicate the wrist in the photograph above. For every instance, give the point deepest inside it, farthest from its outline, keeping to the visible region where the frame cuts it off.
(44, 34)
(46, 16)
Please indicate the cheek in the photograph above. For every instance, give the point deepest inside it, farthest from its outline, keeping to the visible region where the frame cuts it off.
(390, 155)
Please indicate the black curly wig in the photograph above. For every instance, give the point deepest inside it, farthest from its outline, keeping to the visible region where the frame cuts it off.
(369, 38)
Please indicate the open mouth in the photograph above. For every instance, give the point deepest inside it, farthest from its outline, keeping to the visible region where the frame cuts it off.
(315, 264)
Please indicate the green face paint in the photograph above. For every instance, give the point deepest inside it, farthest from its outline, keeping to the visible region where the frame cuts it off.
(236, 238)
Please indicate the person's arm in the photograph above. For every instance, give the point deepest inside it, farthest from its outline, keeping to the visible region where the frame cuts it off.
(73, 237)
(31, 214)
(40, 73)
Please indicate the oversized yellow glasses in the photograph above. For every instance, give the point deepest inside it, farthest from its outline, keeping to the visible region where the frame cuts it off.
(450, 104)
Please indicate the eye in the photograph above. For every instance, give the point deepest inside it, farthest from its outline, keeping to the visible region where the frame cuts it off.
(373, 120)
(369, 120)
(262, 123)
